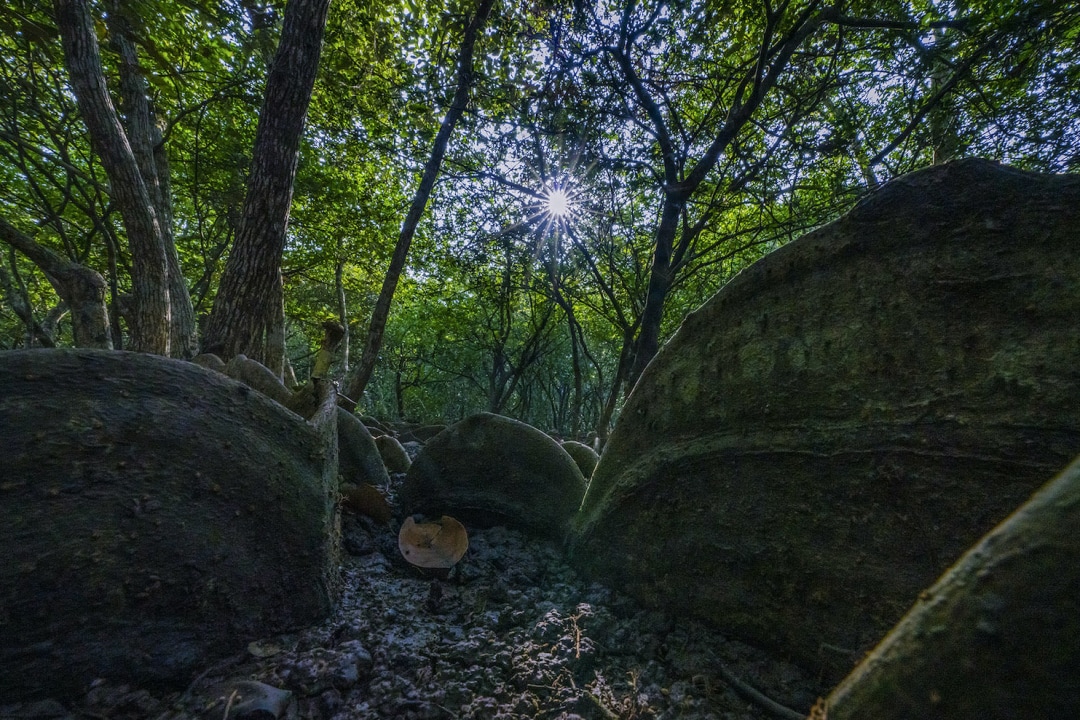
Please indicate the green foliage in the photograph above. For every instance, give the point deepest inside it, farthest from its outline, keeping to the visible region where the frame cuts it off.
(503, 308)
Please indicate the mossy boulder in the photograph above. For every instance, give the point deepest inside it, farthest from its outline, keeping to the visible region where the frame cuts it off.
(585, 457)
(492, 470)
(824, 436)
(154, 517)
(359, 459)
(998, 636)
(418, 433)
(393, 453)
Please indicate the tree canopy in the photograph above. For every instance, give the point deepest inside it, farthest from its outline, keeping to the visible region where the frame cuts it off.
(680, 141)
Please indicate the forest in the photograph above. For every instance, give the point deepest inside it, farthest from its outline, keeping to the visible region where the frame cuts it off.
(509, 206)
(625, 359)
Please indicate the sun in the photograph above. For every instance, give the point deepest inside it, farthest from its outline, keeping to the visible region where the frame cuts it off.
(558, 203)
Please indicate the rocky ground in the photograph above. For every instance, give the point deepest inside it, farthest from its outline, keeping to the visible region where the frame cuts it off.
(513, 633)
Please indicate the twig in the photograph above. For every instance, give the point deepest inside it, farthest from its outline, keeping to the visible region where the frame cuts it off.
(781, 711)
(228, 705)
(187, 694)
(604, 709)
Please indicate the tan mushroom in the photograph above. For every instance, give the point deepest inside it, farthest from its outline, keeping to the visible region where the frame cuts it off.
(436, 545)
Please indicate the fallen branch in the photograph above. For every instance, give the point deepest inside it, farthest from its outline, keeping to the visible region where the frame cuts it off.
(754, 695)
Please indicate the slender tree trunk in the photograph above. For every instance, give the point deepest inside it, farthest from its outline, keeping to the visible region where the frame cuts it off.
(19, 302)
(149, 323)
(149, 149)
(626, 355)
(679, 183)
(361, 374)
(575, 360)
(576, 337)
(111, 251)
(399, 395)
(343, 314)
(82, 288)
(943, 119)
(660, 279)
(247, 316)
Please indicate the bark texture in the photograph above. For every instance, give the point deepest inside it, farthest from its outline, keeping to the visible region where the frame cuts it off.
(824, 436)
(248, 317)
(154, 516)
(149, 322)
(998, 636)
(148, 147)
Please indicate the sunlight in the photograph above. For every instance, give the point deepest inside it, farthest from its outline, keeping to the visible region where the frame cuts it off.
(558, 203)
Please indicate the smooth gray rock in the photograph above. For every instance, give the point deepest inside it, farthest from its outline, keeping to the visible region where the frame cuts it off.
(359, 460)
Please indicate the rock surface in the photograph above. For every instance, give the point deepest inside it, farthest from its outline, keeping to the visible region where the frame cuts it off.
(258, 377)
(359, 460)
(490, 470)
(822, 438)
(154, 516)
(394, 456)
(514, 634)
(998, 636)
(585, 457)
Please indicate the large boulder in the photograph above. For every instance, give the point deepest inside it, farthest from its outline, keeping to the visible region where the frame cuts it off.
(998, 636)
(585, 457)
(359, 458)
(359, 461)
(823, 437)
(154, 516)
(393, 453)
(492, 470)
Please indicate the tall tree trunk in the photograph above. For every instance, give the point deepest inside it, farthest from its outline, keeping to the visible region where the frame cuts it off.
(149, 323)
(149, 149)
(943, 119)
(82, 288)
(399, 395)
(648, 340)
(576, 337)
(343, 313)
(112, 250)
(575, 360)
(626, 358)
(247, 316)
(361, 374)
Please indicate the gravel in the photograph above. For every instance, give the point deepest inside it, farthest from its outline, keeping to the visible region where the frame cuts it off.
(512, 633)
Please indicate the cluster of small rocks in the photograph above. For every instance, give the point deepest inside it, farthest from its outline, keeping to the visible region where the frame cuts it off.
(512, 633)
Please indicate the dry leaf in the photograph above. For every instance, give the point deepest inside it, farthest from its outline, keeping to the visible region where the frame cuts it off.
(367, 500)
